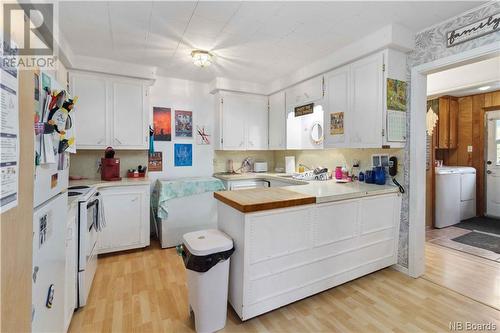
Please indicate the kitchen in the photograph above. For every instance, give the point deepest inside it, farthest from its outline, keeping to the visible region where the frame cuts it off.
(226, 136)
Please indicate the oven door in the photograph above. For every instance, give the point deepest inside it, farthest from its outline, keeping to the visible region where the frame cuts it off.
(89, 215)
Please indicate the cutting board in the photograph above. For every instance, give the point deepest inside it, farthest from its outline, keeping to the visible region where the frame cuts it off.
(258, 199)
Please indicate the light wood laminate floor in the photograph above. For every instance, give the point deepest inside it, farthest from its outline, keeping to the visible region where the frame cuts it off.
(146, 291)
(467, 274)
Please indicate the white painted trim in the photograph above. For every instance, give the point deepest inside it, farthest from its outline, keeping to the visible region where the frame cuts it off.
(416, 233)
(400, 268)
(107, 66)
(224, 84)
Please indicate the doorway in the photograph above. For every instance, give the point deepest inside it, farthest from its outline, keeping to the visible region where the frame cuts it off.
(493, 165)
(462, 151)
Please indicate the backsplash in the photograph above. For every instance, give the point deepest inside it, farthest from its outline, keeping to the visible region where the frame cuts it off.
(221, 157)
(329, 158)
(84, 162)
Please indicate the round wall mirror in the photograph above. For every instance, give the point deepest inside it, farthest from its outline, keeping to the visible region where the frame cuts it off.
(317, 133)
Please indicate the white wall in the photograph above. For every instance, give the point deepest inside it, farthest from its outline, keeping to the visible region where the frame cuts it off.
(189, 96)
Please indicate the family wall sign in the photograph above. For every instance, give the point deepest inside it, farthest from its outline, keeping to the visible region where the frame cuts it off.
(474, 30)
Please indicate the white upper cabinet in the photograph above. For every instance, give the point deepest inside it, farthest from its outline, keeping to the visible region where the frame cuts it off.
(91, 117)
(277, 121)
(242, 121)
(130, 125)
(305, 92)
(110, 111)
(337, 115)
(367, 102)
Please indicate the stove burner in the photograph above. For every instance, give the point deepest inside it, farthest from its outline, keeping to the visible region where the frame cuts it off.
(78, 187)
(73, 193)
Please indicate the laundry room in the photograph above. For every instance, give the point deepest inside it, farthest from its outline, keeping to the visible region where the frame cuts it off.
(462, 168)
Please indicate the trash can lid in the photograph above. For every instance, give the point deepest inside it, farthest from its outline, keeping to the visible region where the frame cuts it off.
(205, 242)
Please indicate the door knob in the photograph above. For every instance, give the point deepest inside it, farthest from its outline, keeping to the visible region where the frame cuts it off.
(489, 172)
(489, 162)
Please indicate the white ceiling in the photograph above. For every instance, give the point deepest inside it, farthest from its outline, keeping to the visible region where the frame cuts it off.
(251, 41)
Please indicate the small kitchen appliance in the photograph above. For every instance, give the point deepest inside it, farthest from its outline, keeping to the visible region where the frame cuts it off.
(260, 167)
(110, 166)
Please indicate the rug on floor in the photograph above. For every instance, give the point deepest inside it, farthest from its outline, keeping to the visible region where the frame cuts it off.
(484, 224)
(481, 240)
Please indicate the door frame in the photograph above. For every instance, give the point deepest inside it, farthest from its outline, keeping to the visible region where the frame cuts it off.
(417, 179)
(486, 152)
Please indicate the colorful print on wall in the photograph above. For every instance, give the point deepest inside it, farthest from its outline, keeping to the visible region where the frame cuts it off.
(183, 155)
(162, 124)
(396, 95)
(155, 161)
(337, 123)
(202, 135)
(184, 124)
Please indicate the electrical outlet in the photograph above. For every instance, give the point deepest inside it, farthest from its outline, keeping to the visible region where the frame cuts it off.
(469, 149)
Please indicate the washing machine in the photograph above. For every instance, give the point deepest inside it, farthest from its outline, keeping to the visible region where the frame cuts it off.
(455, 195)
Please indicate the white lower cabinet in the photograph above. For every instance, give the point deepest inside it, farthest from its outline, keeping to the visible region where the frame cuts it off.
(70, 288)
(126, 210)
(284, 255)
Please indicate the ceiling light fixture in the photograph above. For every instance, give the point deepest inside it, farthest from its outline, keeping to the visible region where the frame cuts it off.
(483, 88)
(201, 58)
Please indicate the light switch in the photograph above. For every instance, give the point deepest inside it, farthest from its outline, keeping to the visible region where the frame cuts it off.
(469, 149)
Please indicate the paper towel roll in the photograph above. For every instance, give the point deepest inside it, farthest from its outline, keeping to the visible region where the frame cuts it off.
(289, 165)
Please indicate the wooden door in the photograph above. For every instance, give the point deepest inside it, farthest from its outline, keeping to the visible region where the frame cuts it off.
(444, 123)
(453, 116)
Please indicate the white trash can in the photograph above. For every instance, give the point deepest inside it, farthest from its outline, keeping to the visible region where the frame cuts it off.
(206, 256)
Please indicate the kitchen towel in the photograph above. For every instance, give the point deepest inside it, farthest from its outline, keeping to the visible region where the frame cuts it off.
(182, 187)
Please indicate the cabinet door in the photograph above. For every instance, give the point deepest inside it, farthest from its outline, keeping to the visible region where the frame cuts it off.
(453, 143)
(233, 122)
(444, 123)
(130, 125)
(256, 122)
(336, 117)
(305, 92)
(366, 102)
(91, 111)
(277, 121)
(125, 211)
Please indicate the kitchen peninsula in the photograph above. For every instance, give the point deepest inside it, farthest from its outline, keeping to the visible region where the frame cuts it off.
(294, 242)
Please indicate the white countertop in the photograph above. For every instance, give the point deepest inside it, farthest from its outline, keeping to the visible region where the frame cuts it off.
(97, 183)
(324, 191)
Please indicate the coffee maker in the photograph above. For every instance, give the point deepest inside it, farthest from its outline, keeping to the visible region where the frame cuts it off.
(110, 166)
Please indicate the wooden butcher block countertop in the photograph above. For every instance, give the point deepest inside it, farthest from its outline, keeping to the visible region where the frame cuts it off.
(254, 200)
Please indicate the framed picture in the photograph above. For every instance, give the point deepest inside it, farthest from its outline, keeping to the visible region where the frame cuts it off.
(336, 123)
(183, 154)
(162, 124)
(396, 95)
(155, 161)
(202, 135)
(183, 124)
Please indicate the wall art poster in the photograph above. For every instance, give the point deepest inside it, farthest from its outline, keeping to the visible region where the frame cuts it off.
(162, 124)
(184, 124)
(396, 95)
(183, 154)
(155, 161)
(337, 123)
(202, 135)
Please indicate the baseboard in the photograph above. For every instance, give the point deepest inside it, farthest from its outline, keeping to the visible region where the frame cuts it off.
(401, 269)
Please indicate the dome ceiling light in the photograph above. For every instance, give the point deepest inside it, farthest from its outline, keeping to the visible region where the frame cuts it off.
(201, 58)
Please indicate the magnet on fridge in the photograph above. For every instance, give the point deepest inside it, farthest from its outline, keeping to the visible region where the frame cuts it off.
(50, 297)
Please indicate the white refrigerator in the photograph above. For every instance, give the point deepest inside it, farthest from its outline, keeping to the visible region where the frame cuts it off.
(49, 230)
